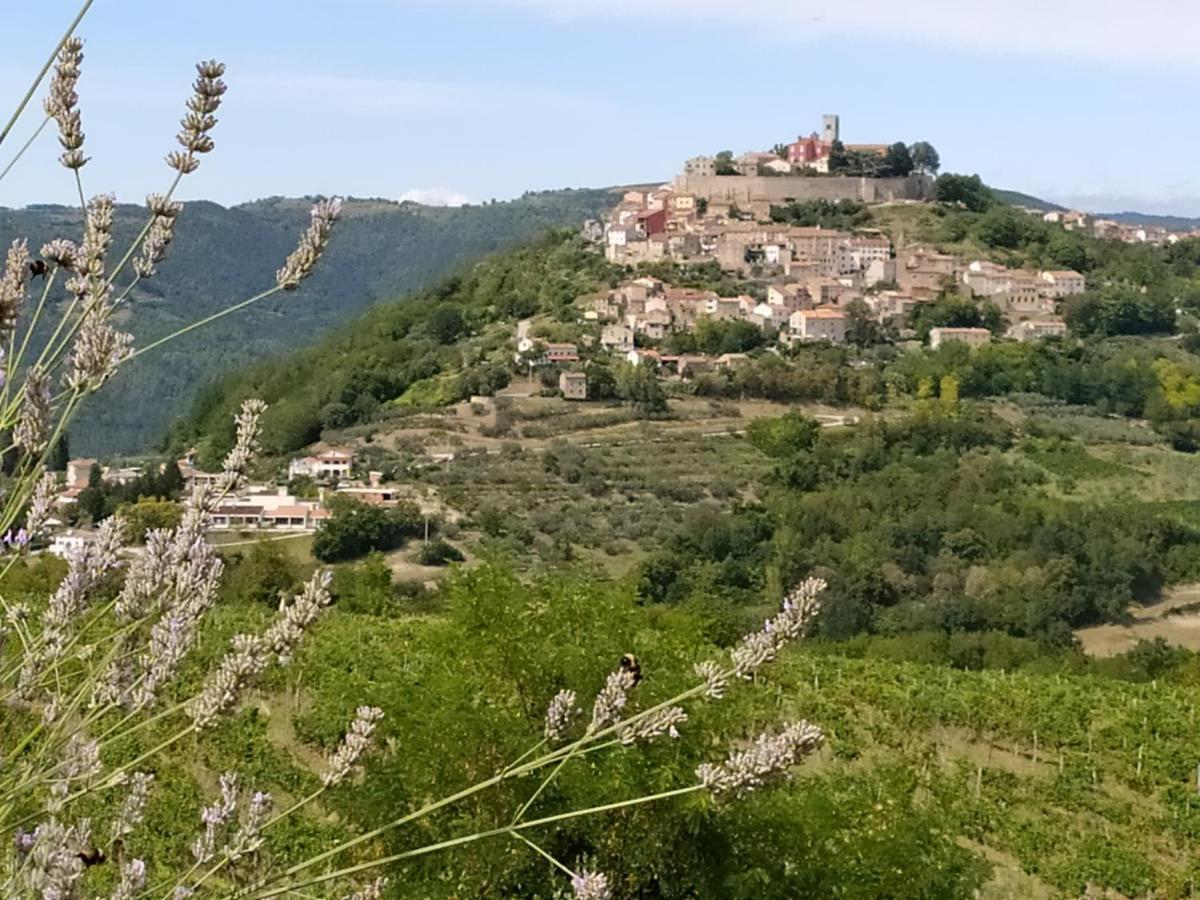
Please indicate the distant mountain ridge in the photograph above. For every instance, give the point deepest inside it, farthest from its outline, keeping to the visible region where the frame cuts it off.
(380, 251)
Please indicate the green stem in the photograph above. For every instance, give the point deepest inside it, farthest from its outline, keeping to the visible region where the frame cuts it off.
(466, 839)
(539, 850)
(202, 322)
(46, 68)
(24, 147)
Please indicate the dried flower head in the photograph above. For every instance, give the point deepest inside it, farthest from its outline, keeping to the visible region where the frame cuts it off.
(312, 244)
(41, 504)
(133, 879)
(215, 818)
(563, 709)
(654, 725)
(62, 103)
(356, 741)
(158, 236)
(715, 678)
(587, 885)
(61, 252)
(97, 352)
(13, 285)
(800, 607)
(207, 90)
(32, 430)
(611, 699)
(248, 838)
(769, 755)
(134, 807)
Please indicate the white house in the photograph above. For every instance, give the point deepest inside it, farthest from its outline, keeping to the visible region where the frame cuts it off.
(617, 338)
(68, 543)
(974, 337)
(334, 463)
(819, 325)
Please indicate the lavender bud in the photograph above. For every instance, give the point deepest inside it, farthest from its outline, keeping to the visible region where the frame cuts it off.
(312, 244)
(562, 710)
(587, 885)
(768, 756)
(611, 699)
(356, 741)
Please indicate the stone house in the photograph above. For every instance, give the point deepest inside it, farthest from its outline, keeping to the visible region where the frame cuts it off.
(573, 385)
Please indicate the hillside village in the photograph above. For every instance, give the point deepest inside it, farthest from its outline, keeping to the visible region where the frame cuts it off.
(782, 284)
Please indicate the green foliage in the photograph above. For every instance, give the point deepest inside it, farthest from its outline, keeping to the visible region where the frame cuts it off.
(1121, 310)
(840, 214)
(898, 162)
(439, 553)
(640, 388)
(955, 311)
(381, 250)
(717, 336)
(355, 529)
(147, 514)
(261, 574)
(158, 481)
(365, 587)
(923, 524)
(967, 191)
(925, 158)
(389, 354)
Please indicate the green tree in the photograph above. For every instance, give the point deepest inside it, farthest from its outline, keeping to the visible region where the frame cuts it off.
(862, 329)
(263, 574)
(839, 159)
(967, 191)
(146, 514)
(925, 158)
(355, 529)
(898, 162)
(640, 388)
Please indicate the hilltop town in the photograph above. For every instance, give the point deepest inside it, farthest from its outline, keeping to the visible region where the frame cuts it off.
(737, 258)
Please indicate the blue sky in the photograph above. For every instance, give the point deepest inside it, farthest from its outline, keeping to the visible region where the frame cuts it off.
(1087, 102)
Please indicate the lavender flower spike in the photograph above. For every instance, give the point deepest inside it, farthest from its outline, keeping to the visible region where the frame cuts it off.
(356, 741)
(611, 699)
(769, 755)
(562, 709)
(590, 886)
(800, 607)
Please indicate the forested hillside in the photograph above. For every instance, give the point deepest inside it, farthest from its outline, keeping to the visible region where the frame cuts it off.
(220, 256)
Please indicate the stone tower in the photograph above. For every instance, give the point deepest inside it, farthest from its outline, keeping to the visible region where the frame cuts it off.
(831, 129)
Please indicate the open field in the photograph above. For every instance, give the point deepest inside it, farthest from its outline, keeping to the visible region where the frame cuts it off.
(1176, 619)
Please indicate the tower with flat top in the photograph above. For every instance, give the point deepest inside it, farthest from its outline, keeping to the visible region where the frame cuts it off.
(831, 129)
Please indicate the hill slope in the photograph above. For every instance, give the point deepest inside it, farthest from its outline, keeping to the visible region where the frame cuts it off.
(380, 251)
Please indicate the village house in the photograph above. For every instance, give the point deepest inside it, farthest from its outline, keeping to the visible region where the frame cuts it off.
(266, 510)
(553, 354)
(639, 356)
(70, 543)
(617, 338)
(573, 385)
(1038, 329)
(374, 492)
(790, 297)
(1063, 283)
(974, 337)
(818, 325)
(79, 471)
(328, 464)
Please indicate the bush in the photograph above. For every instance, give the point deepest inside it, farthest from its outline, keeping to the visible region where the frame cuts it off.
(439, 553)
(356, 529)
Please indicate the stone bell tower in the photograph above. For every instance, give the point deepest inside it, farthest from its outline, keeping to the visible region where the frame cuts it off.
(831, 129)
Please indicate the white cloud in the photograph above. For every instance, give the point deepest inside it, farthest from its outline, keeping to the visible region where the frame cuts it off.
(435, 197)
(1147, 32)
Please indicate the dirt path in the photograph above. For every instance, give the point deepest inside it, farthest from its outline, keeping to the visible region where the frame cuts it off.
(1157, 620)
